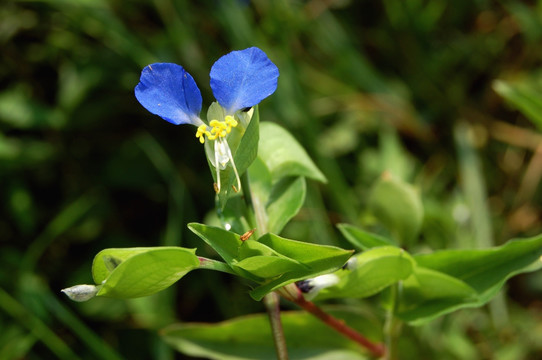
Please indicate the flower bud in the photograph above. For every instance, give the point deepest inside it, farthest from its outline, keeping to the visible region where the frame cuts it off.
(81, 293)
(311, 287)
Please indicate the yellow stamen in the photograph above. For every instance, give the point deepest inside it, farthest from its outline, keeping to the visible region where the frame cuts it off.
(202, 130)
(218, 131)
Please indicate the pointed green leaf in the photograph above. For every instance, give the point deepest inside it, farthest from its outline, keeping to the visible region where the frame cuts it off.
(487, 269)
(370, 272)
(224, 242)
(283, 155)
(266, 267)
(362, 239)
(128, 273)
(316, 260)
(428, 294)
(444, 278)
(249, 259)
(254, 260)
(250, 338)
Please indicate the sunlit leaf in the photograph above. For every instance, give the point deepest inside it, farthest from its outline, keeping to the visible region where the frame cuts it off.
(225, 243)
(285, 202)
(371, 272)
(283, 155)
(442, 282)
(128, 273)
(316, 260)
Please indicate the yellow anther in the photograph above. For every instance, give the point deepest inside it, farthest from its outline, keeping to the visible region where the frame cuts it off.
(216, 124)
(230, 121)
(202, 129)
(212, 136)
(219, 129)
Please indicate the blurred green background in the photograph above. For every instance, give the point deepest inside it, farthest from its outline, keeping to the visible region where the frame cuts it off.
(444, 95)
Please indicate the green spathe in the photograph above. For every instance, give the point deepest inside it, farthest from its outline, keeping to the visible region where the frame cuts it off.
(135, 272)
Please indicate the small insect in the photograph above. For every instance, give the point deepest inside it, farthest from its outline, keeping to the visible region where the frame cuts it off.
(215, 186)
(247, 235)
(234, 188)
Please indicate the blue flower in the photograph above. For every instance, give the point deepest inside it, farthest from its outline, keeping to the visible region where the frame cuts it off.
(239, 80)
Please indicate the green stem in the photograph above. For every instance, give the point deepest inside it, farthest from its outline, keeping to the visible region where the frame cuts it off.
(271, 302)
(256, 210)
(258, 219)
(392, 326)
(210, 264)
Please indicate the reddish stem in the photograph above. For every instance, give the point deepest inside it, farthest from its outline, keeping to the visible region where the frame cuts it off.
(339, 325)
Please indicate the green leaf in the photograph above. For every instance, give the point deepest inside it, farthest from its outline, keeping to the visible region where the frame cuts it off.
(266, 267)
(373, 271)
(398, 206)
(249, 259)
(428, 294)
(271, 261)
(283, 155)
(443, 279)
(284, 203)
(362, 239)
(282, 199)
(135, 272)
(249, 337)
(486, 270)
(316, 260)
(224, 242)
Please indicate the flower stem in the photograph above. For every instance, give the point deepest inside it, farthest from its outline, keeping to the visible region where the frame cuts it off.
(392, 326)
(271, 302)
(257, 218)
(292, 293)
(256, 211)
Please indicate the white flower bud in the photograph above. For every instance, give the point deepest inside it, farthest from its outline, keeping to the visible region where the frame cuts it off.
(311, 287)
(81, 293)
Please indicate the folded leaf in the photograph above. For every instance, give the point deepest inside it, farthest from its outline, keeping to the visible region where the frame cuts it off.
(225, 243)
(316, 260)
(372, 271)
(129, 273)
(271, 261)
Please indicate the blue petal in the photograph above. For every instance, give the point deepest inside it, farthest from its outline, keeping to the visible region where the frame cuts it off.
(168, 91)
(242, 79)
